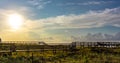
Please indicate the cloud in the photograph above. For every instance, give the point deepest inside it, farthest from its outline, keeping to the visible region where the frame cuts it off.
(88, 3)
(39, 4)
(95, 2)
(98, 37)
(90, 19)
(4, 16)
(7, 33)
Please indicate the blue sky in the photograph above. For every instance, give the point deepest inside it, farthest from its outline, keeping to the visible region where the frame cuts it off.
(48, 8)
(61, 18)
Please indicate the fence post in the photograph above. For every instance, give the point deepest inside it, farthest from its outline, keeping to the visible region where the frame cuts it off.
(32, 57)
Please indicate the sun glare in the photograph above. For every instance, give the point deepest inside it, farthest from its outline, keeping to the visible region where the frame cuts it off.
(15, 21)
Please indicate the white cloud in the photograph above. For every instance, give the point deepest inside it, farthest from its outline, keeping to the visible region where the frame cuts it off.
(88, 3)
(96, 2)
(90, 19)
(40, 4)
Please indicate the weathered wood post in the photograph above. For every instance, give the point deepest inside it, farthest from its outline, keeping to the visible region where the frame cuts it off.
(54, 50)
(0, 40)
(12, 48)
(73, 47)
(32, 58)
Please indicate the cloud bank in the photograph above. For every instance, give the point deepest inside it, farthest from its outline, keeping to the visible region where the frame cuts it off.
(90, 19)
(98, 37)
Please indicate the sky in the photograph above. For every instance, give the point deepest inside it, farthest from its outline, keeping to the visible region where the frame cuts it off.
(60, 20)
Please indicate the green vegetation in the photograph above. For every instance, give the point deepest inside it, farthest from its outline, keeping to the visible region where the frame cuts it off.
(61, 54)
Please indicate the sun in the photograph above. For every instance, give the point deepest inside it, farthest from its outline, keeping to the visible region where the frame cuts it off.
(15, 20)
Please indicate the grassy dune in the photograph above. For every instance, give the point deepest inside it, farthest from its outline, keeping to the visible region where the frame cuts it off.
(78, 55)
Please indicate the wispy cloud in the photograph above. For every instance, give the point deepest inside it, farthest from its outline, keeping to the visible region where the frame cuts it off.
(96, 2)
(89, 3)
(39, 4)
